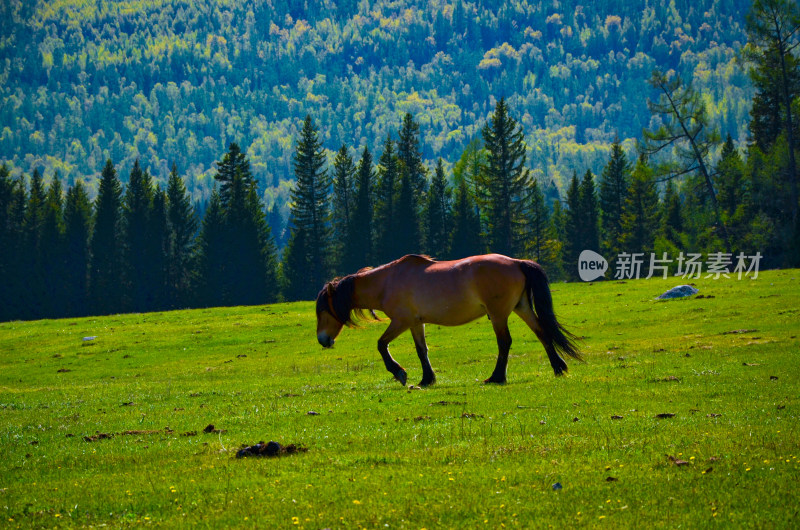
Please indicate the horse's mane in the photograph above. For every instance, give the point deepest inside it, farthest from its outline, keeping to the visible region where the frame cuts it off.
(337, 297)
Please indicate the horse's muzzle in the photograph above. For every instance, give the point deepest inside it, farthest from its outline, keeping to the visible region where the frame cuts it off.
(325, 340)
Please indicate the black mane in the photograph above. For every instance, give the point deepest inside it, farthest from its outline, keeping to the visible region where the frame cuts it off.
(336, 297)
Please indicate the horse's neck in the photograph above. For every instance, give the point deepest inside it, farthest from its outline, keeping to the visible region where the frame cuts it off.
(369, 288)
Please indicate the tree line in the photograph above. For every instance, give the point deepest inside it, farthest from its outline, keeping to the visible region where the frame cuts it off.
(144, 248)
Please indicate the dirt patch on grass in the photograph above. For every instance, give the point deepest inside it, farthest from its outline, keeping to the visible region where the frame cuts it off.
(270, 449)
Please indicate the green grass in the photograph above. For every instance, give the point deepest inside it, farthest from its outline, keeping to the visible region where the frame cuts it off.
(458, 454)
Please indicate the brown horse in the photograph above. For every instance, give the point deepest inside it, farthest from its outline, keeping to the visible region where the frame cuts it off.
(415, 290)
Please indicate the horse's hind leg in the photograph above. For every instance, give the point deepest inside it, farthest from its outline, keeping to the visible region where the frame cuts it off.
(395, 328)
(524, 311)
(500, 325)
(428, 377)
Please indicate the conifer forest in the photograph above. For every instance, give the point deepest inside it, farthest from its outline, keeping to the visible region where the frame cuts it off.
(169, 154)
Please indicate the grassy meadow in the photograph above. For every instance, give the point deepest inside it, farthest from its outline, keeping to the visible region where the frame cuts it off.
(110, 431)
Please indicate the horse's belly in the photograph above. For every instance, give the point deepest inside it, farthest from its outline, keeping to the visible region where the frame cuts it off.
(451, 314)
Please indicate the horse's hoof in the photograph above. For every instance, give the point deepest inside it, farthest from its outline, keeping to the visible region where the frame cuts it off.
(425, 383)
(560, 372)
(401, 376)
(493, 381)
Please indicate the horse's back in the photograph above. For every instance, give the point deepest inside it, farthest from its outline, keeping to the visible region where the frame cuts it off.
(455, 292)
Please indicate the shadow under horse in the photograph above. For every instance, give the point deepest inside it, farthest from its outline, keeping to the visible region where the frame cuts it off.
(417, 290)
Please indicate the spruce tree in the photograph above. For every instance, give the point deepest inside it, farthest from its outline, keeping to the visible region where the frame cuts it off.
(8, 256)
(157, 251)
(136, 211)
(556, 267)
(406, 235)
(33, 254)
(672, 217)
(77, 228)
(276, 224)
(105, 269)
(505, 182)
(409, 155)
(240, 249)
(413, 184)
(212, 258)
(344, 197)
(294, 267)
(538, 224)
(773, 31)
(182, 223)
(733, 193)
(614, 182)
(14, 198)
(438, 216)
(53, 251)
(466, 224)
(640, 218)
(233, 162)
(590, 233)
(573, 228)
(358, 246)
(309, 213)
(386, 221)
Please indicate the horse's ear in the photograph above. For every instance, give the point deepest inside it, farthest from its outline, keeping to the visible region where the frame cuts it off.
(329, 289)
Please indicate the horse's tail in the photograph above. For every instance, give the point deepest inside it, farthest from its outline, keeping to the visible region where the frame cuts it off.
(538, 288)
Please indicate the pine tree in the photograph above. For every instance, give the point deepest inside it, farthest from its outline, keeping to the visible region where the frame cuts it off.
(640, 218)
(309, 212)
(358, 247)
(105, 269)
(590, 233)
(505, 182)
(386, 222)
(136, 211)
(686, 129)
(438, 216)
(77, 229)
(182, 229)
(344, 196)
(466, 224)
(614, 182)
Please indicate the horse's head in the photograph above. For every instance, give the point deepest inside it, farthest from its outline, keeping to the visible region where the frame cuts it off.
(329, 322)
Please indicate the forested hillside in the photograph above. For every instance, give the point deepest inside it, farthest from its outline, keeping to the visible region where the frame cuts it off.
(177, 81)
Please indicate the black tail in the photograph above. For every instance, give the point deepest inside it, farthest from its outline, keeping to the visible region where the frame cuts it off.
(538, 289)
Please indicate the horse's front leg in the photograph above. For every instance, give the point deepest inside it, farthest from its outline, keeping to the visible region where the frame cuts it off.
(395, 328)
(418, 332)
